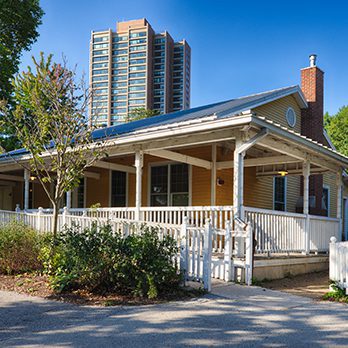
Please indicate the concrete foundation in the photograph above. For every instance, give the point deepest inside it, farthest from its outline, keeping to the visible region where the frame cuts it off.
(281, 267)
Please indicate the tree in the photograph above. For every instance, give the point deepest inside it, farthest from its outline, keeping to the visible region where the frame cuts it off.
(140, 113)
(19, 20)
(49, 118)
(337, 129)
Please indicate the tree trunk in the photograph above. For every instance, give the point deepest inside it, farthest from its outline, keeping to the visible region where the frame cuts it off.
(55, 219)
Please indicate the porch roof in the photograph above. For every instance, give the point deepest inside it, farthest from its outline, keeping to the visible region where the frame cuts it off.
(203, 121)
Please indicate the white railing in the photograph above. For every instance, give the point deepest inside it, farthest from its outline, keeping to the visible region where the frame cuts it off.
(196, 215)
(279, 232)
(339, 263)
(321, 230)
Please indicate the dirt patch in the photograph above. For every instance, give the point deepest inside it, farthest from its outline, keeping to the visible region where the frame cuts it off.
(37, 285)
(313, 285)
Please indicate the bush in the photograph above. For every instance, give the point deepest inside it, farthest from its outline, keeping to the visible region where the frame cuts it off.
(99, 260)
(19, 248)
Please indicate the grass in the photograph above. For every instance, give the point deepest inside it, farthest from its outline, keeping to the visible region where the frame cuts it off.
(336, 294)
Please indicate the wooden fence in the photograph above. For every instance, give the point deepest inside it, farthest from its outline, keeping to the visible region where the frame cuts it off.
(196, 243)
(339, 263)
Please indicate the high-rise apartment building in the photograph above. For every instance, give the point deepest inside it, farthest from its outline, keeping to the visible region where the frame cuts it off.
(136, 68)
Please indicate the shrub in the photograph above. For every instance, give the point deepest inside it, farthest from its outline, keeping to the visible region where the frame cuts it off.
(99, 260)
(19, 248)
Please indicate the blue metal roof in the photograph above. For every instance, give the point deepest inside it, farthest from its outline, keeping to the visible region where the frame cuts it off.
(220, 110)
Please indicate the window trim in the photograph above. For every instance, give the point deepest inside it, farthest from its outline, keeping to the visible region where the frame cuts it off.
(285, 193)
(168, 163)
(328, 188)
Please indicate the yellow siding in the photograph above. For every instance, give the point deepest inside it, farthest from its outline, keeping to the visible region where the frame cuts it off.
(276, 111)
(329, 179)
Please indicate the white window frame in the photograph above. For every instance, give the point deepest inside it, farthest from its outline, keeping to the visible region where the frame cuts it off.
(328, 188)
(110, 187)
(285, 193)
(168, 163)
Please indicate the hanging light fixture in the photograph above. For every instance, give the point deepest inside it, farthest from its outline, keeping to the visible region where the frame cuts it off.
(283, 172)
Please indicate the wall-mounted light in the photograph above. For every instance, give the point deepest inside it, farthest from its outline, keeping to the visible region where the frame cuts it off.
(32, 178)
(220, 181)
(283, 172)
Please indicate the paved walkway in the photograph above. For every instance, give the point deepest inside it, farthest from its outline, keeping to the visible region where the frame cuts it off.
(233, 315)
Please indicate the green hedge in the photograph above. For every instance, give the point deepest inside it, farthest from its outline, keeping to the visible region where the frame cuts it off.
(19, 249)
(99, 260)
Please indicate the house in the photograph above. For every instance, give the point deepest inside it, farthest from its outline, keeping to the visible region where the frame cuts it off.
(263, 158)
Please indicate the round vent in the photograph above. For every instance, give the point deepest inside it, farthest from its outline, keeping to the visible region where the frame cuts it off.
(291, 117)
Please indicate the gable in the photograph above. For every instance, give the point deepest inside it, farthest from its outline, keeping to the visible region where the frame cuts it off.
(276, 112)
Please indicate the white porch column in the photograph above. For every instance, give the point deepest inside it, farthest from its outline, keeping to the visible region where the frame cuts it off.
(213, 176)
(68, 199)
(339, 202)
(139, 159)
(238, 181)
(306, 174)
(26, 188)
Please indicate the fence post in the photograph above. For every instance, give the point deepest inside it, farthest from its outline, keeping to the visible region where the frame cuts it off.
(65, 213)
(249, 254)
(18, 210)
(125, 230)
(39, 215)
(333, 259)
(207, 251)
(184, 249)
(228, 253)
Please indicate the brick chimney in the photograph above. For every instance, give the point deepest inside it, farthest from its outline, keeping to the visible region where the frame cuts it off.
(312, 122)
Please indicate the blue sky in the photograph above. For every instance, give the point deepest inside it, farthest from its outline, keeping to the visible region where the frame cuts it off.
(238, 47)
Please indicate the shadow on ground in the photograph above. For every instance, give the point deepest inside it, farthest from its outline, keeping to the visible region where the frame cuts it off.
(249, 317)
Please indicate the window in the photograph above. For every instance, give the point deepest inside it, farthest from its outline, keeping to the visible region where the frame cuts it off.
(119, 78)
(118, 91)
(137, 55)
(119, 52)
(119, 71)
(99, 53)
(279, 193)
(80, 193)
(137, 61)
(137, 88)
(119, 97)
(136, 101)
(137, 41)
(139, 34)
(136, 95)
(291, 117)
(98, 46)
(118, 189)
(120, 45)
(119, 38)
(99, 78)
(99, 84)
(137, 82)
(137, 68)
(138, 74)
(169, 185)
(100, 38)
(326, 200)
(137, 48)
(119, 59)
(98, 59)
(100, 65)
